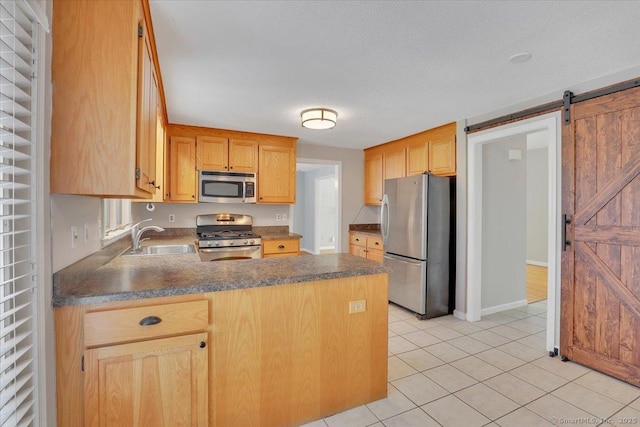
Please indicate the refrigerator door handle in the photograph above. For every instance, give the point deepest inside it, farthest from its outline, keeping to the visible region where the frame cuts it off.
(402, 260)
(384, 219)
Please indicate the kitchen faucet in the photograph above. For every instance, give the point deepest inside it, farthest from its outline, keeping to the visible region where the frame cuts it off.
(136, 234)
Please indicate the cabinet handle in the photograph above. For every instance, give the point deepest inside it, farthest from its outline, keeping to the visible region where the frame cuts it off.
(280, 246)
(150, 320)
(154, 184)
(357, 240)
(203, 344)
(377, 243)
(193, 196)
(230, 167)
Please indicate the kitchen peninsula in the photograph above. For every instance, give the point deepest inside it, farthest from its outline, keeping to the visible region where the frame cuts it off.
(176, 341)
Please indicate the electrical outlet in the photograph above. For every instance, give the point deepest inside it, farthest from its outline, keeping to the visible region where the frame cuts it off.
(284, 217)
(278, 217)
(172, 218)
(357, 306)
(74, 236)
(86, 233)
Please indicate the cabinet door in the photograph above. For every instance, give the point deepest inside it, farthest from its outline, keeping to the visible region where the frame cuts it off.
(375, 255)
(417, 157)
(212, 153)
(358, 251)
(160, 382)
(276, 174)
(394, 164)
(442, 156)
(372, 179)
(183, 172)
(145, 145)
(243, 155)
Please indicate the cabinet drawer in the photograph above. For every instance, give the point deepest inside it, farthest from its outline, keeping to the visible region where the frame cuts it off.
(123, 325)
(357, 239)
(374, 243)
(270, 247)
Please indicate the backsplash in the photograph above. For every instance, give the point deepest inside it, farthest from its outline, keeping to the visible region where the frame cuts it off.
(185, 213)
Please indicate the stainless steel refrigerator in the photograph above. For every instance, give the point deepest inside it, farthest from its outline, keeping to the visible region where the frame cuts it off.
(415, 234)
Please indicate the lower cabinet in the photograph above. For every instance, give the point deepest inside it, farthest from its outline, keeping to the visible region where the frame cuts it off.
(267, 356)
(366, 246)
(161, 382)
(280, 248)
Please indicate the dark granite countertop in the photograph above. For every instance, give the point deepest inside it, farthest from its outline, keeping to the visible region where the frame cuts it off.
(275, 232)
(105, 276)
(369, 229)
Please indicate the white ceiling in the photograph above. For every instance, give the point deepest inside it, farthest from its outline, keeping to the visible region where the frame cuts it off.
(389, 68)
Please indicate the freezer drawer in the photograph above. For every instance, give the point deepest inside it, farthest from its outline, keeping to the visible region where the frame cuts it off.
(420, 286)
(407, 282)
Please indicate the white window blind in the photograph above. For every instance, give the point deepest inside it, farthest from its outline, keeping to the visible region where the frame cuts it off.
(18, 376)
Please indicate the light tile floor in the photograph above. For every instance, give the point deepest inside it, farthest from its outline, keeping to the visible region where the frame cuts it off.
(495, 372)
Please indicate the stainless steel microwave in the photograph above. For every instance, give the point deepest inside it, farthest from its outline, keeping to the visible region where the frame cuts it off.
(227, 187)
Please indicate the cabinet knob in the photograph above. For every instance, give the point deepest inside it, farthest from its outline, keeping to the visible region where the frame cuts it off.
(280, 246)
(150, 320)
(230, 167)
(203, 344)
(377, 243)
(193, 196)
(357, 240)
(154, 184)
(225, 167)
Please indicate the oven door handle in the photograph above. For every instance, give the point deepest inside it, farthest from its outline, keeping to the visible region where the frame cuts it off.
(230, 248)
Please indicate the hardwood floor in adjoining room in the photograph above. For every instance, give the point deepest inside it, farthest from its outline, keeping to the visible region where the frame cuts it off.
(536, 283)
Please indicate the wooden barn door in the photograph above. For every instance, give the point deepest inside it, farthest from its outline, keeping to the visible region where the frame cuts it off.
(601, 267)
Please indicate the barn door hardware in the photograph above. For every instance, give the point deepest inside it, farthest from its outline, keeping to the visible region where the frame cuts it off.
(565, 241)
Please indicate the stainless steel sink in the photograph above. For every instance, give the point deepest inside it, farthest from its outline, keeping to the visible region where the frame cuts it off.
(163, 250)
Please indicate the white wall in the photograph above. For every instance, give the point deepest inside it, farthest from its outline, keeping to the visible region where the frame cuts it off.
(298, 219)
(352, 209)
(67, 211)
(503, 223)
(537, 205)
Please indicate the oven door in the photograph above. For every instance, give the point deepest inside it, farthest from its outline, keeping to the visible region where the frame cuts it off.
(225, 254)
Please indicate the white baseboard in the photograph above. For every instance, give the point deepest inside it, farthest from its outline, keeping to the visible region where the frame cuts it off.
(538, 263)
(308, 250)
(503, 307)
(459, 315)
(323, 248)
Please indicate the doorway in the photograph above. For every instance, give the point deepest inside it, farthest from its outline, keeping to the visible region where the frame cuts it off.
(316, 213)
(475, 244)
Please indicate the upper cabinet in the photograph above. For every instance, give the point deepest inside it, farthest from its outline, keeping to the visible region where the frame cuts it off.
(271, 157)
(432, 151)
(106, 90)
(223, 154)
(277, 173)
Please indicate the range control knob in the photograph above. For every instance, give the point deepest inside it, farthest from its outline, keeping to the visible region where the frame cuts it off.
(230, 242)
(245, 242)
(251, 242)
(216, 243)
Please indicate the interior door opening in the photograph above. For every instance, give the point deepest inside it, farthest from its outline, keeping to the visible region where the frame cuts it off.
(482, 241)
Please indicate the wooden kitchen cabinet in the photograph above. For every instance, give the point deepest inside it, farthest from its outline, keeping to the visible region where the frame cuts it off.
(183, 176)
(162, 382)
(366, 246)
(223, 154)
(381, 164)
(432, 151)
(113, 370)
(442, 155)
(373, 178)
(277, 173)
(280, 248)
(105, 88)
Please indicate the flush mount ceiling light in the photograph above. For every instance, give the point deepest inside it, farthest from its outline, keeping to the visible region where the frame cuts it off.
(519, 58)
(318, 118)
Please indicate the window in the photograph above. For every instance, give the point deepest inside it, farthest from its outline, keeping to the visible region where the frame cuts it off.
(116, 217)
(18, 280)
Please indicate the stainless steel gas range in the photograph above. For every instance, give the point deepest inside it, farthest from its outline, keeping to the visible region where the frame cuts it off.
(226, 237)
